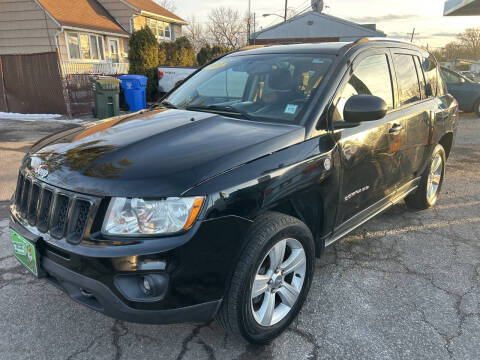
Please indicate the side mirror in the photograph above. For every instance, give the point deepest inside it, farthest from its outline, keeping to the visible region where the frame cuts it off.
(462, 81)
(360, 108)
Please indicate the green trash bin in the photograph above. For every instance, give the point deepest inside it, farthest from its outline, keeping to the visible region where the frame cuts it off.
(106, 90)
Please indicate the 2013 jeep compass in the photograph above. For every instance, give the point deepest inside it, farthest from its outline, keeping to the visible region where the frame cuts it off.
(217, 201)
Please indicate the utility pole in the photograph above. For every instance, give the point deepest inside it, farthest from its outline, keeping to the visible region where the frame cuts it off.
(254, 29)
(286, 7)
(412, 34)
(249, 20)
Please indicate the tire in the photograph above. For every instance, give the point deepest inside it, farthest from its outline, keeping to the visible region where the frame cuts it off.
(239, 313)
(476, 107)
(427, 194)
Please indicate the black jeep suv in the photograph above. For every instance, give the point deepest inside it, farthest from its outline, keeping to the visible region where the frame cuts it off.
(217, 201)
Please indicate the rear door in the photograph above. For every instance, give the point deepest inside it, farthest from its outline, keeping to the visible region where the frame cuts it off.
(416, 111)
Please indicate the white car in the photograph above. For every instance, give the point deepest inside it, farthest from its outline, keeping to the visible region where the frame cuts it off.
(169, 76)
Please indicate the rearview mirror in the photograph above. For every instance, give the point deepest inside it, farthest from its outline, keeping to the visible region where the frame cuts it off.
(360, 108)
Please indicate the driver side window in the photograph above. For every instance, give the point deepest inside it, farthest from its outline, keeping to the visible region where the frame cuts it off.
(370, 77)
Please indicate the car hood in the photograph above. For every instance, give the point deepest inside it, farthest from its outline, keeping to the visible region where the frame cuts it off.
(155, 153)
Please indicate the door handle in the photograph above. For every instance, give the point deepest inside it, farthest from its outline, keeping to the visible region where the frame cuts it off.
(395, 129)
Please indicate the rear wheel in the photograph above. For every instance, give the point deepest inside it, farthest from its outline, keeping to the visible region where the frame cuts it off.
(431, 182)
(271, 280)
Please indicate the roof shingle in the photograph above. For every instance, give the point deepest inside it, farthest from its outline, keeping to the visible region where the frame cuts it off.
(85, 14)
(153, 7)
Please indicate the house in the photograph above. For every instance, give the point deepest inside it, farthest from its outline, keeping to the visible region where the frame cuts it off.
(136, 14)
(57, 41)
(314, 26)
(462, 8)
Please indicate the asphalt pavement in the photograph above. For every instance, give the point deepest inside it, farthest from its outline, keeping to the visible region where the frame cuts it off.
(405, 285)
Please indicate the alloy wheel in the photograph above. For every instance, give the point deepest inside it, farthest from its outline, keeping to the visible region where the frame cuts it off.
(278, 282)
(434, 178)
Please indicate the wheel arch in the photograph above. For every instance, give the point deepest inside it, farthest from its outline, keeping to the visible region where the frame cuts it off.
(311, 213)
(447, 141)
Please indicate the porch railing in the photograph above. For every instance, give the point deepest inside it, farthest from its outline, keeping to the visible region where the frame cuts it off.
(104, 68)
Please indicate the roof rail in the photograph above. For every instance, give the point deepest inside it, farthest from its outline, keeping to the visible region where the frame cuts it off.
(385, 39)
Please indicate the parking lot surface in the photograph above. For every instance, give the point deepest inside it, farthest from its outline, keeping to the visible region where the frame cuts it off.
(405, 285)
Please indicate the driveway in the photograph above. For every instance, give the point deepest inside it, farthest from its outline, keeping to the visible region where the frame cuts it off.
(406, 285)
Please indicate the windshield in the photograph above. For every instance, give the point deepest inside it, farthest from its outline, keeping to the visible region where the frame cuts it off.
(272, 87)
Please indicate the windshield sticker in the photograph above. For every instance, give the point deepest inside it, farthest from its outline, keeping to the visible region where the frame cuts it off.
(216, 65)
(291, 109)
(317, 61)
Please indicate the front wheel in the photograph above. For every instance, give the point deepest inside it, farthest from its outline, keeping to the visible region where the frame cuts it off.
(476, 107)
(431, 182)
(272, 279)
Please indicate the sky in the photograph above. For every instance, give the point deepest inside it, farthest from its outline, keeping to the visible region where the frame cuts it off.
(395, 18)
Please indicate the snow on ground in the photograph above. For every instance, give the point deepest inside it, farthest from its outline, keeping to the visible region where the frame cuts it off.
(39, 117)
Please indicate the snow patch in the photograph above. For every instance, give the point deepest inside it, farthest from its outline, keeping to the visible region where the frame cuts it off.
(39, 117)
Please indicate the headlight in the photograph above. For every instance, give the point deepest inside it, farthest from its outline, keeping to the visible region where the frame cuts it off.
(148, 217)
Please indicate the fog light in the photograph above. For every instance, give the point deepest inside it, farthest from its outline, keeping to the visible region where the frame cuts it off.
(148, 285)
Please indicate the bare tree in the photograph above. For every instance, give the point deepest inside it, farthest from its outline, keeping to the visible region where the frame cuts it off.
(167, 4)
(196, 33)
(470, 40)
(227, 27)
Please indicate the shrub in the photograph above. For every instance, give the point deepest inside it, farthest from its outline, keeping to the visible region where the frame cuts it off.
(208, 53)
(177, 53)
(143, 58)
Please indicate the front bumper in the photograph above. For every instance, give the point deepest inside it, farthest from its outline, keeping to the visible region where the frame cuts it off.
(198, 271)
(99, 297)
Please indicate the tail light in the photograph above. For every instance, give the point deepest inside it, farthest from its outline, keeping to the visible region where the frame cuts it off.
(160, 74)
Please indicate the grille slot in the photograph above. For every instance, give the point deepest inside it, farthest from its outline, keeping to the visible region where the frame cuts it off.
(24, 200)
(44, 212)
(78, 221)
(61, 213)
(18, 193)
(33, 207)
(59, 218)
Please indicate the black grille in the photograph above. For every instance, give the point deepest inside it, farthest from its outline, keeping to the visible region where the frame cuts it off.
(33, 206)
(59, 218)
(60, 213)
(24, 199)
(78, 221)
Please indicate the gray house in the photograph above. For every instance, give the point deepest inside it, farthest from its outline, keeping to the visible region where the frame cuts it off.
(314, 26)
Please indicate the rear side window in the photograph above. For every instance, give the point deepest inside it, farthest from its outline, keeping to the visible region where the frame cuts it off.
(429, 66)
(370, 77)
(442, 86)
(408, 85)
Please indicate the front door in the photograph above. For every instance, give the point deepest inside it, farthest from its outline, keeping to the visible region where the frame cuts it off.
(369, 151)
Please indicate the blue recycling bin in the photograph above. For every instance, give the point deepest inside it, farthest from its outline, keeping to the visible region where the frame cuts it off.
(134, 87)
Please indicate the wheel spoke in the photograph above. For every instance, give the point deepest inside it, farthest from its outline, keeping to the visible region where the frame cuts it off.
(265, 313)
(436, 163)
(436, 179)
(288, 294)
(260, 285)
(294, 261)
(276, 254)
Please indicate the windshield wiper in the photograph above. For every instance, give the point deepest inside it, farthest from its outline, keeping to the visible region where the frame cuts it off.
(221, 109)
(165, 104)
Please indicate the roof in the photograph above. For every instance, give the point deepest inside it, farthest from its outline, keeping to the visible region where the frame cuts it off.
(154, 8)
(462, 8)
(331, 48)
(84, 14)
(313, 24)
(328, 48)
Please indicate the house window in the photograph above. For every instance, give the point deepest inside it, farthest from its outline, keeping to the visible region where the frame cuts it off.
(73, 46)
(83, 46)
(160, 29)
